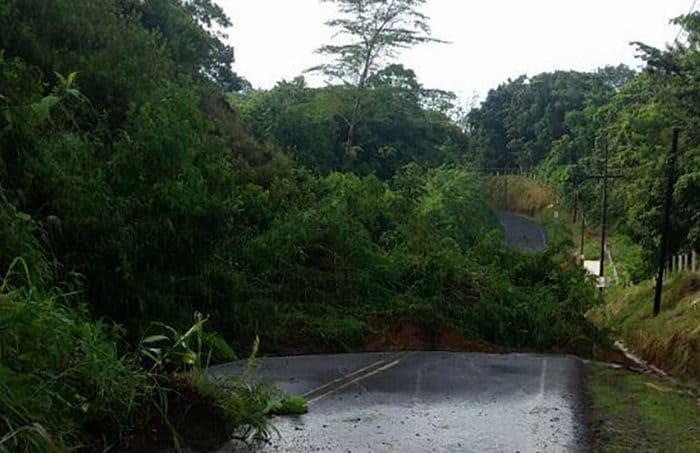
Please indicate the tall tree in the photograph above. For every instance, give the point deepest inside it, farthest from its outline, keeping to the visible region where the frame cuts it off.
(373, 32)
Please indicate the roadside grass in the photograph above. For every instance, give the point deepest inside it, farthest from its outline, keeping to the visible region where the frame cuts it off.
(670, 341)
(515, 193)
(633, 412)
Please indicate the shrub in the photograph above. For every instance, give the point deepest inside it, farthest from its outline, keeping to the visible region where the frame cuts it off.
(61, 375)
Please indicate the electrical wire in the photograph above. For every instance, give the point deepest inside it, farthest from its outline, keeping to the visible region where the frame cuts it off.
(692, 8)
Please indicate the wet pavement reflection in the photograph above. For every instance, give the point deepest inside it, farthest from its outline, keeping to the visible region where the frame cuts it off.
(429, 401)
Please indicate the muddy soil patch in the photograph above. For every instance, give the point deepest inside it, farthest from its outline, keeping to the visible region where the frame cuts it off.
(416, 337)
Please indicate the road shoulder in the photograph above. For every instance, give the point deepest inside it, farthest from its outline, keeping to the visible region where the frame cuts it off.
(636, 412)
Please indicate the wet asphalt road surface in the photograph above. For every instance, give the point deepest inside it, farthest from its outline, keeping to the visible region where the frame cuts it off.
(522, 232)
(428, 401)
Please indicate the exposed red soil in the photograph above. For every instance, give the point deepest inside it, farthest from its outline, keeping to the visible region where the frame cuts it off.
(415, 337)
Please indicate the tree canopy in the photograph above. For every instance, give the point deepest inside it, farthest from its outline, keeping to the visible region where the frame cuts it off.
(370, 31)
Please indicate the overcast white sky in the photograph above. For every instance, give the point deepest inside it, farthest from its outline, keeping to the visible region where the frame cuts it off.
(491, 40)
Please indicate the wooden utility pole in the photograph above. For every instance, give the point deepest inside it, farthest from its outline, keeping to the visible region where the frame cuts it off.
(578, 206)
(577, 190)
(606, 177)
(668, 206)
(604, 218)
(583, 235)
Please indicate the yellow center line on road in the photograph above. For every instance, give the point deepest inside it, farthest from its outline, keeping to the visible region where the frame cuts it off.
(355, 377)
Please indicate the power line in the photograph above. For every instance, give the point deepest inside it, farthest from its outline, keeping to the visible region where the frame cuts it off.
(692, 8)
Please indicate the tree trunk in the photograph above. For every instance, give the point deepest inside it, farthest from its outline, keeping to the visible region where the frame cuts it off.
(351, 135)
(356, 107)
(352, 122)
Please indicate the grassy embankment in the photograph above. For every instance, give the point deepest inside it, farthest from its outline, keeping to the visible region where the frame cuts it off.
(637, 413)
(515, 193)
(634, 412)
(670, 341)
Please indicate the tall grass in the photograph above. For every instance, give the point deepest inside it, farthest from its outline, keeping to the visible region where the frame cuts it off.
(60, 372)
(66, 383)
(519, 194)
(671, 340)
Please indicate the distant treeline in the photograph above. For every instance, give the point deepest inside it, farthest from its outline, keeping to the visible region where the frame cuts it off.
(562, 122)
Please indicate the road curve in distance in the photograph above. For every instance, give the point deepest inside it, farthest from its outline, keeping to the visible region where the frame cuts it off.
(522, 232)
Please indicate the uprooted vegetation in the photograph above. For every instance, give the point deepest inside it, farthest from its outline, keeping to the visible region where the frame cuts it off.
(425, 250)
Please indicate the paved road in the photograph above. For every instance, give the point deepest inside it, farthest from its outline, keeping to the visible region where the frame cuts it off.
(522, 232)
(429, 401)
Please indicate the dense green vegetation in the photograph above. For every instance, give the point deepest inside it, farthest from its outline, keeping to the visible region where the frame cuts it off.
(142, 182)
(560, 123)
(403, 122)
(118, 192)
(519, 122)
